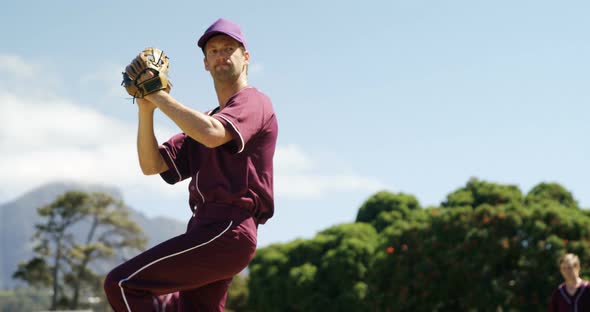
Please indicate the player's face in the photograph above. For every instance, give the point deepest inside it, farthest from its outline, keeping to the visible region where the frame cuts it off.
(225, 58)
(569, 272)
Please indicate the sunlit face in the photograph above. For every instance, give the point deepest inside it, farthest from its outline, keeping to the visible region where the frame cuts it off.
(225, 58)
(569, 271)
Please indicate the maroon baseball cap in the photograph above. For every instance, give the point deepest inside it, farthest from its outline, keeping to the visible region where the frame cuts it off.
(222, 27)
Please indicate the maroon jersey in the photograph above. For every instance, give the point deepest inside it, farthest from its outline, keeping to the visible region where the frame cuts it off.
(562, 301)
(239, 173)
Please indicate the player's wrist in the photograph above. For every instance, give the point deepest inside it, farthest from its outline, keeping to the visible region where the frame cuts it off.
(146, 106)
(156, 97)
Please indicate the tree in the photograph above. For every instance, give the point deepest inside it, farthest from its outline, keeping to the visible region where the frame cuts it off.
(500, 254)
(550, 193)
(477, 192)
(63, 257)
(384, 207)
(237, 297)
(485, 248)
(326, 273)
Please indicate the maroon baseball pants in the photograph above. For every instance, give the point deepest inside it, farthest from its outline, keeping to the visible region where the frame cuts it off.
(219, 243)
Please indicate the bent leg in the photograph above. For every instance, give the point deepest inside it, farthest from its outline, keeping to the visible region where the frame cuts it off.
(210, 297)
(204, 255)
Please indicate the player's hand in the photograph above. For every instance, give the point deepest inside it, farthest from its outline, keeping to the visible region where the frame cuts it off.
(148, 74)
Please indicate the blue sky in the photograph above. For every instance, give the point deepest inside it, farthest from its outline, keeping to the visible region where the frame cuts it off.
(405, 96)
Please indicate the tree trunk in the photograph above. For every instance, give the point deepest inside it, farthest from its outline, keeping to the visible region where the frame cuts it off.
(56, 275)
(82, 267)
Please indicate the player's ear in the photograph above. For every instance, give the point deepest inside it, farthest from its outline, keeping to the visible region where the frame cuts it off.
(247, 56)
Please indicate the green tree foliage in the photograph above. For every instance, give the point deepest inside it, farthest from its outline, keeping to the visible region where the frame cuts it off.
(477, 192)
(383, 208)
(329, 270)
(237, 297)
(506, 256)
(487, 247)
(62, 259)
(550, 194)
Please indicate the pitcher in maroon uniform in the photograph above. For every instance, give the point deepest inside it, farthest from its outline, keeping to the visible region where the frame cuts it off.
(228, 155)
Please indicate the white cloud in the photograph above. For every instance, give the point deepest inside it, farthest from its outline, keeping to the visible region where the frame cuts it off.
(291, 159)
(35, 123)
(16, 66)
(299, 176)
(48, 140)
(45, 138)
(109, 76)
(315, 185)
(27, 78)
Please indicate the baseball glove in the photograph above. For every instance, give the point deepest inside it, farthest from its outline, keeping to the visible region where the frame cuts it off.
(136, 79)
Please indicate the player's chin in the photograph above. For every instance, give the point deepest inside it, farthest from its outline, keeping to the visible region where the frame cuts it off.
(225, 75)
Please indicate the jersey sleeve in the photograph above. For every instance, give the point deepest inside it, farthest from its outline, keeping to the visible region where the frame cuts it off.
(244, 118)
(175, 153)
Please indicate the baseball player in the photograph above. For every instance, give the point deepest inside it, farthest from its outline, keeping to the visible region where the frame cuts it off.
(228, 155)
(574, 293)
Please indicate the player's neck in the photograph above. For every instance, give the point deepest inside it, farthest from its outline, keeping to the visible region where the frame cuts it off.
(226, 90)
(572, 284)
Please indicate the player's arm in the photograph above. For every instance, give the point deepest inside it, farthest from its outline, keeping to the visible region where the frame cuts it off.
(201, 127)
(150, 159)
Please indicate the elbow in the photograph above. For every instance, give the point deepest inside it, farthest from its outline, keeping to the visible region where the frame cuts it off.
(147, 171)
(211, 136)
(151, 167)
(211, 143)
(213, 139)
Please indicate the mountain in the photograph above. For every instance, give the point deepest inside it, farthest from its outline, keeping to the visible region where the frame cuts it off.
(18, 219)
